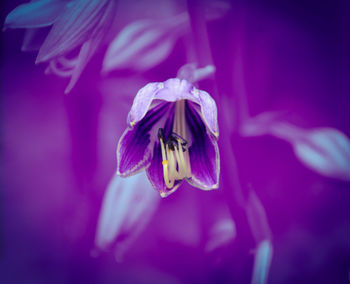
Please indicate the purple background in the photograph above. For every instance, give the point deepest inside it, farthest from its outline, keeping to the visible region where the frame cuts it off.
(58, 154)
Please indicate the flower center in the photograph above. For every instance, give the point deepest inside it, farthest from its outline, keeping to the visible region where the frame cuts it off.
(175, 156)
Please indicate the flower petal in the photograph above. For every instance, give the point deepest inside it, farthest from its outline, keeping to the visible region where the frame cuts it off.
(142, 102)
(133, 151)
(128, 205)
(35, 14)
(173, 90)
(74, 26)
(204, 153)
(155, 169)
(176, 89)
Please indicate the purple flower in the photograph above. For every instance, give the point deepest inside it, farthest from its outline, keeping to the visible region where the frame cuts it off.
(172, 132)
(78, 28)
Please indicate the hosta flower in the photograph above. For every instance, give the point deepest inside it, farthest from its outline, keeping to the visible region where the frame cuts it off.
(78, 27)
(172, 132)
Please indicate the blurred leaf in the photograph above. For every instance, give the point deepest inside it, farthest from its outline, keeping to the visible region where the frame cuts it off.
(128, 205)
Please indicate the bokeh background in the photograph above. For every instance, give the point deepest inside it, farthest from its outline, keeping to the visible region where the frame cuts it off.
(58, 155)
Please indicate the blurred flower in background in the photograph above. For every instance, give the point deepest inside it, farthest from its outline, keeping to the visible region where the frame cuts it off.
(78, 28)
(324, 150)
(127, 207)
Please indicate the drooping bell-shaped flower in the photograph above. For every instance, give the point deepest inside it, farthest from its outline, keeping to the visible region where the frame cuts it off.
(172, 133)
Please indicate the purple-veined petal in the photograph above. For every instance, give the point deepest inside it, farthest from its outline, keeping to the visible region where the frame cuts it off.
(173, 90)
(144, 43)
(204, 153)
(222, 233)
(262, 262)
(155, 173)
(128, 205)
(155, 169)
(133, 152)
(209, 112)
(35, 14)
(74, 26)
